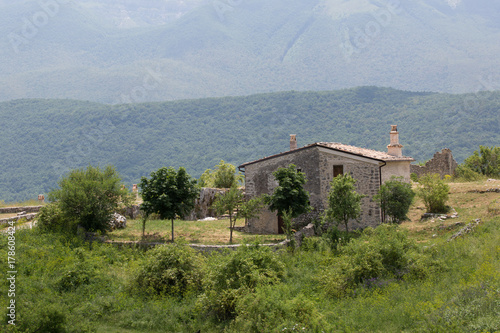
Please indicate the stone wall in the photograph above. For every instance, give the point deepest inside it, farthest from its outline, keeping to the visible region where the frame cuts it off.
(14, 210)
(367, 175)
(318, 164)
(441, 163)
(203, 204)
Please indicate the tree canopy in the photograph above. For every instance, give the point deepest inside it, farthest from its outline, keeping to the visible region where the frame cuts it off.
(290, 194)
(344, 203)
(395, 198)
(88, 197)
(223, 176)
(169, 193)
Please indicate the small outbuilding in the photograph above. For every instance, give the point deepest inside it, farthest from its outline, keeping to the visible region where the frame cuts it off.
(321, 162)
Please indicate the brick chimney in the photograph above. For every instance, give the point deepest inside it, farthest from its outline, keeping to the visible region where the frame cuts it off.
(394, 148)
(293, 141)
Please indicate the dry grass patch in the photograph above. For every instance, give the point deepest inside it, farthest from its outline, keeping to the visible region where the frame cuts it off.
(197, 232)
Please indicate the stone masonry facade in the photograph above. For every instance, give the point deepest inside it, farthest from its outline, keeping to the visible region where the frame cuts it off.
(441, 163)
(318, 165)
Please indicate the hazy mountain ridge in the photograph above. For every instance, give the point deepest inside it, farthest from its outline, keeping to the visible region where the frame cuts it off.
(218, 49)
(42, 139)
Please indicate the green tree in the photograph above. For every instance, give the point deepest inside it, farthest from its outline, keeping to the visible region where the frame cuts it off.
(434, 192)
(395, 198)
(344, 203)
(289, 195)
(224, 176)
(168, 193)
(88, 197)
(233, 203)
(485, 161)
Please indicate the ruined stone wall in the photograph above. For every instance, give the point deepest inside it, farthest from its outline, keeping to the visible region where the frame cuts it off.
(441, 163)
(203, 204)
(367, 175)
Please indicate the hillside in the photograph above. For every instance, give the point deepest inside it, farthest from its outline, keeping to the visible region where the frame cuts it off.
(407, 278)
(120, 52)
(42, 139)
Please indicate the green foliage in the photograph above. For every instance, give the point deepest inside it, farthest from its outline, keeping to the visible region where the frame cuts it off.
(87, 198)
(287, 228)
(434, 192)
(414, 177)
(486, 161)
(224, 176)
(232, 202)
(344, 203)
(289, 195)
(275, 309)
(465, 173)
(234, 275)
(51, 219)
(174, 270)
(138, 138)
(395, 198)
(168, 193)
(377, 257)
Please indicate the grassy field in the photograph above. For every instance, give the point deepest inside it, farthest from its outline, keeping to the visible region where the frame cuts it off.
(195, 232)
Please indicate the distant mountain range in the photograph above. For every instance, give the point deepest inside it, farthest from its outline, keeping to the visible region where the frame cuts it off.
(135, 51)
(41, 140)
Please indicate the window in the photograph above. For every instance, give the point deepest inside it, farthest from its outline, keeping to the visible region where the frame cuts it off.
(338, 170)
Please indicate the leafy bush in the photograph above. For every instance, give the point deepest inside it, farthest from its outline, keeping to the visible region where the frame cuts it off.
(236, 274)
(50, 219)
(485, 161)
(275, 308)
(88, 197)
(382, 254)
(434, 193)
(414, 177)
(465, 173)
(81, 274)
(395, 198)
(344, 203)
(170, 270)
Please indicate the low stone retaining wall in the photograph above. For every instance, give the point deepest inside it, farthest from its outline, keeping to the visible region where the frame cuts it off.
(13, 210)
(28, 217)
(198, 247)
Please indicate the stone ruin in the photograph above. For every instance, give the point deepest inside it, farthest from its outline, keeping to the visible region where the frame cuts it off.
(441, 163)
(203, 205)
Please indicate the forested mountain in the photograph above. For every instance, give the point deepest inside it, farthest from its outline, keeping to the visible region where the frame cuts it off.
(42, 139)
(156, 50)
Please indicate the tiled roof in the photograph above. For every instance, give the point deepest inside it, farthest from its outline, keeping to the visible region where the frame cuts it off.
(369, 153)
(363, 152)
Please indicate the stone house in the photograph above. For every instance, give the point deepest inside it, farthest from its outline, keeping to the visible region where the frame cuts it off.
(321, 162)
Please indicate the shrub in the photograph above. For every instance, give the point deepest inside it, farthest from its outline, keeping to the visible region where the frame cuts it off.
(414, 177)
(88, 197)
(170, 270)
(344, 203)
(50, 219)
(395, 198)
(465, 173)
(485, 161)
(233, 275)
(275, 308)
(434, 193)
(378, 256)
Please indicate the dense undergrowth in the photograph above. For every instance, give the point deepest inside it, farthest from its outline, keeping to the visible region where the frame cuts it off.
(381, 280)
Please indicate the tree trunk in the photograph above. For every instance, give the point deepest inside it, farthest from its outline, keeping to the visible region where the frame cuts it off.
(172, 230)
(230, 229)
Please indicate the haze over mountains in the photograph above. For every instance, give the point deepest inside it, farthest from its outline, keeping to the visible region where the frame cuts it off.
(134, 51)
